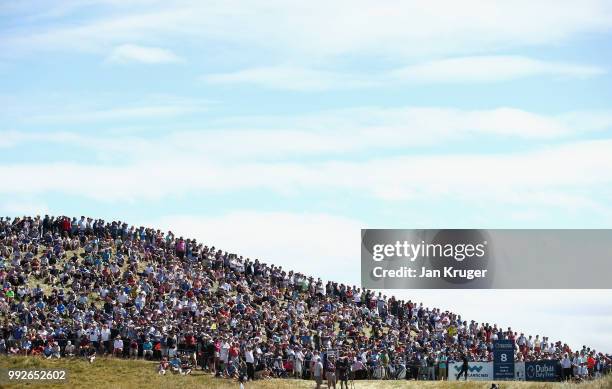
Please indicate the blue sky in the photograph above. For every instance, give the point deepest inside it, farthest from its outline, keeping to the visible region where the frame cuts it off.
(279, 129)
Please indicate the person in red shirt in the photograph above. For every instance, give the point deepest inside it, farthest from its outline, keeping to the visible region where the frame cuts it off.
(66, 227)
(37, 350)
(234, 351)
(190, 342)
(288, 365)
(134, 349)
(590, 364)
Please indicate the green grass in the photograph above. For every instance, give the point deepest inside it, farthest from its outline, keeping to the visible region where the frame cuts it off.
(116, 373)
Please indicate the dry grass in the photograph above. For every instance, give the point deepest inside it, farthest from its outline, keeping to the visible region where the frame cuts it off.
(113, 373)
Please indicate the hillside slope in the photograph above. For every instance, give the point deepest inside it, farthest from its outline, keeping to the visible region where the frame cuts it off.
(138, 286)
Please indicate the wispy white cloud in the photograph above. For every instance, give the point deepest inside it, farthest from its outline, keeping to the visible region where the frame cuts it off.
(46, 110)
(449, 70)
(358, 129)
(490, 68)
(328, 132)
(12, 138)
(116, 114)
(319, 29)
(149, 55)
(564, 176)
(335, 133)
(291, 78)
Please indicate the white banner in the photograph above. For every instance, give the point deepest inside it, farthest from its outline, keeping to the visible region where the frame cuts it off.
(477, 371)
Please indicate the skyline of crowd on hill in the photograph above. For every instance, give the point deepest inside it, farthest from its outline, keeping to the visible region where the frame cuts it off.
(83, 286)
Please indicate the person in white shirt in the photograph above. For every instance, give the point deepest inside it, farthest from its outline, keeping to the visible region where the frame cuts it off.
(576, 361)
(226, 287)
(521, 341)
(56, 351)
(122, 298)
(94, 334)
(250, 362)
(318, 371)
(105, 334)
(298, 363)
(566, 365)
(118, 347)
(81, 225)
(224, 353)
(320, 289)
(69, 350)
(139, 302)
(149, 269)
(584, 371)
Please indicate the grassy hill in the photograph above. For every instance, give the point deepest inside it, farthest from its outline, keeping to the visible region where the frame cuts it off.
(115, 373)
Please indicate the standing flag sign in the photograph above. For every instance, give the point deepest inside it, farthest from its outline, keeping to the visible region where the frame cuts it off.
(503, 359)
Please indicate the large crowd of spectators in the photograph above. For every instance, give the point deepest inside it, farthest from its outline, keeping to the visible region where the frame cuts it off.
(85, 287)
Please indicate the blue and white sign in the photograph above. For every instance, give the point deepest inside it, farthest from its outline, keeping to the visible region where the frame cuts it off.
(503, 359)
(542, 371)
(477, 371)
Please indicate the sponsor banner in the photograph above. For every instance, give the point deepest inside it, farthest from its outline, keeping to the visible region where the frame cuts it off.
(542, 371)
(519, 371)
(477, 371)
(485, 259)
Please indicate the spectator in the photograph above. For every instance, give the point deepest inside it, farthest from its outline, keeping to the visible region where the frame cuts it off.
(118, 347)
(91, 353)
(330, 372)
(147, 349)
(69, 349)
(133, 348)
(163, 366)
(343, 369)
(250, 362)
(318, 372)
(442, 366)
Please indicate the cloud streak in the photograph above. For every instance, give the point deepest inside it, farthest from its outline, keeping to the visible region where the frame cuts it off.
(490, 69)
(549, 177)
(72, 111)
(149, 55)
(334, 132)
(406, 29)
(261, 154)
(475, 69)
(292, 78)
